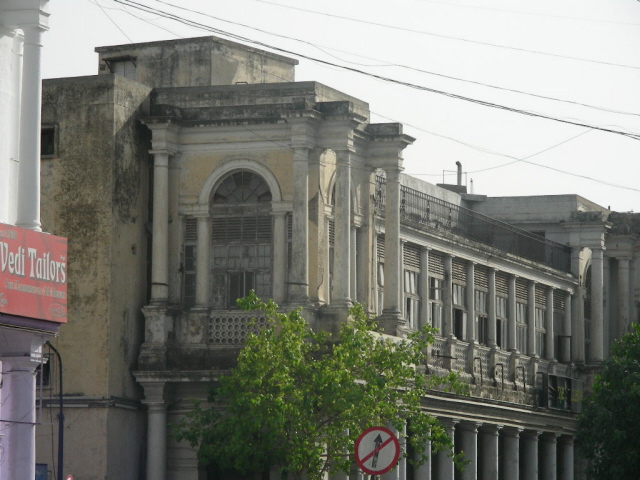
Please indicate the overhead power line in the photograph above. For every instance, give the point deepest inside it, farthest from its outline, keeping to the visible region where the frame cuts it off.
(390, 64)
(240, 38)
(449, 37)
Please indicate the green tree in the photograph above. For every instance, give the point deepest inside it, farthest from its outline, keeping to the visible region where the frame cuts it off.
(298, 399)
(609, 425)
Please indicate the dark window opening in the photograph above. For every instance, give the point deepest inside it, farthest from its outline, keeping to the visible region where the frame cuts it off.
(47, 141)
(458, 323)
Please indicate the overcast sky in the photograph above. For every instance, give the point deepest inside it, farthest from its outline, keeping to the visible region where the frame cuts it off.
(584, 55)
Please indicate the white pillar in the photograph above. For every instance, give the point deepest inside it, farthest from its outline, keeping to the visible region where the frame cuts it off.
(531, 319)
(511, 306)
(550, 352)
(392, 249)
(299, 278)
(491, 299)
(510, 455)
(447, 297)
(471, 301)
(597, 306)
(469, 446)
(280, 260)
(28, 214)
(203, 249)
(425, 310)
(567, 327)
(354, 264)
(156, 430)
(548, 457)
(529, 455)
(19, 416)
(423, 471)
(489, 435)
(623, 296)
(160, 244)
(577, 317)
(341, 295)
(566, 457)
(446, 468)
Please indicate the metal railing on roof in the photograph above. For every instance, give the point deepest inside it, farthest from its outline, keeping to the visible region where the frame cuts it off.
(426, 212)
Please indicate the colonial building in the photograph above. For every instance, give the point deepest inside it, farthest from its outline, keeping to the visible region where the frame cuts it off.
(204, 171)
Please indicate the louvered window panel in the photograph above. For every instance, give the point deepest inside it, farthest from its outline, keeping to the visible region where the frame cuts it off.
(241, 229)
(502, 283)
(481, 277)
(522, 293)
(380, 248)
(436, 263)
(541, 295)
(459, 271)
(559, 300)
(190, 230)
(411, 256)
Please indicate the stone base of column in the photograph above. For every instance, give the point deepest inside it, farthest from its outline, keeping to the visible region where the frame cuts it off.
(392, 323)
(152, 357)
(330, 317)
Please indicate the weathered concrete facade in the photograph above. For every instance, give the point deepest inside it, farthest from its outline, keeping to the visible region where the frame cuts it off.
(199, 191)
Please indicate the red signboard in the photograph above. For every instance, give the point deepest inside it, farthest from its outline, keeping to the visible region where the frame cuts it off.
(33, 274)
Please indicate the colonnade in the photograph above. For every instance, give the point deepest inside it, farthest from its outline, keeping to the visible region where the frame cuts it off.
(495, 452)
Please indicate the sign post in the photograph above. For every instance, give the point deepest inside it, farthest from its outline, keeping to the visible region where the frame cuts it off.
(377, 450)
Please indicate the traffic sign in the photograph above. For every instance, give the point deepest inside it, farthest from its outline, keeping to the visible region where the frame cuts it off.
(377, 450)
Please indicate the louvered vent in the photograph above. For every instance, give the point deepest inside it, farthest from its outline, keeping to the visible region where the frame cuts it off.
(380, 245)
(481, 277)
(541, 295)
(522, 293)
(559, 300)
(502, 284)
(241, 229)
(436, 263)
(459, 271)
(411, 256)
(191, 230)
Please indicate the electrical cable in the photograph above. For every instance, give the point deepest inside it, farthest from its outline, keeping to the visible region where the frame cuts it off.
(422, 32)
(387, 79)
(386, 63)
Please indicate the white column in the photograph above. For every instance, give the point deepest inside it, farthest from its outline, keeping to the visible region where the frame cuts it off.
(423, 471)
(28, 214)
(160, 243)
(469, 446)
(567, 327)
(529, 455)
(491, 299)
(531, 318)
(577, 317)
(299, 278)
(19, 416)
(510, 457)
(597, 306)
(156, 431)
(447, 297)
(551, 337)
(425, 310)
(354, 264)
(607, 320)
(623, 296)
(489, 440)
(203, 249)
(566, 457)
(392, 248)
(342, 251)
(548, 457)
(446, 468)
(511, 321)
(471, 301)
(397, 472)
(279, 255)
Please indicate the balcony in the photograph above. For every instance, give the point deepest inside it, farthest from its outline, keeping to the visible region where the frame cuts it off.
(428, 213)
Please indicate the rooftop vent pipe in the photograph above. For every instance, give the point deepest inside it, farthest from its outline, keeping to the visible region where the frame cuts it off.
(459, 173)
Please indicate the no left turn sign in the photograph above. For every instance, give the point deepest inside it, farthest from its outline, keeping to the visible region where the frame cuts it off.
(377, 450)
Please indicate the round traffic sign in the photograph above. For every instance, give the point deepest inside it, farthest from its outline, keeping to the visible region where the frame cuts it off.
(377, 450)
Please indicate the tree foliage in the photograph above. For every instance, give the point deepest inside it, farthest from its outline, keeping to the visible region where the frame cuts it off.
(298, 399)
(609, 425)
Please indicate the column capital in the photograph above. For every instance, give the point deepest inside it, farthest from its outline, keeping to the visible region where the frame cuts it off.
(512, 431)
(154, 392)
(20, 364)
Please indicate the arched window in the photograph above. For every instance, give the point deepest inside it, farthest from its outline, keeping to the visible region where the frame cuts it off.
(241, 238)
